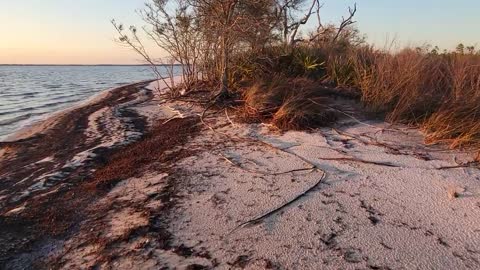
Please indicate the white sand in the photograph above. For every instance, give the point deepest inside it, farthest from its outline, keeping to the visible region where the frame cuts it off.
(120, 221)
(362, 216)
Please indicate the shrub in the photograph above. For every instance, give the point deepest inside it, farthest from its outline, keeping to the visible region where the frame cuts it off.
(457, 120)
(296, 103)
(440, 93)
(264, 98)
(301, 112)
(437, 92)
(280, 61)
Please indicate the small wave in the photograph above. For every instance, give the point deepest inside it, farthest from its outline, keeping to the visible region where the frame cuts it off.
(52, 86)
(8, 112)
(19, 118)
(39, 107)
(29, 94)
(19, 95)
(66, 96)
(53, 104)
(19, 110)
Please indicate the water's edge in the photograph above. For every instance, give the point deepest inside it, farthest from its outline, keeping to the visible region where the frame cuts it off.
(29, 94)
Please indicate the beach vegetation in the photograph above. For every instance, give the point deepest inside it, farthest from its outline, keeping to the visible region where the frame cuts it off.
(262, 52)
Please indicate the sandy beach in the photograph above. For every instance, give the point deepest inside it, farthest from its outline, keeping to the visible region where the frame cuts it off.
(129, 180)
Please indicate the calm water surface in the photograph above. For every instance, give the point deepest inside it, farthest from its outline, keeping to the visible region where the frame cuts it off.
(30, 93)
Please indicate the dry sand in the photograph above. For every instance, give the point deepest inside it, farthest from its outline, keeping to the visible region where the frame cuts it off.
(377, 198)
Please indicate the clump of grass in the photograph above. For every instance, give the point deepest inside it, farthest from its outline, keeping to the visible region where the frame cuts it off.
(300, 112)
(457, 125)
(289, 103)
(406, 86)
(264, 98)
(438, 92)
(457, 121)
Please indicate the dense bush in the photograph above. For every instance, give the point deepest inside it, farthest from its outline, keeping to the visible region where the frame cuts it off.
(440, 93)
(437, 92)
(296, 103)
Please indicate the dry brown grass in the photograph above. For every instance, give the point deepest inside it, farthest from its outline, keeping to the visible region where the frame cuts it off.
(440, 93)
(299, 112)
(457, 120)
(290, 103)
(407, 86)
(264, 98)
(458, 125)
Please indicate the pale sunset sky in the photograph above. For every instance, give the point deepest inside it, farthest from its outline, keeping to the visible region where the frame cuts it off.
(79, 31)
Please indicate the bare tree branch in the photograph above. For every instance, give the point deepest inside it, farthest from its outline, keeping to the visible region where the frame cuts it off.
(346, 22)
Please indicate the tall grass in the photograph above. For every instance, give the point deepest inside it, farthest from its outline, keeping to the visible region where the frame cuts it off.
(296, 103)
(439, 93)
(457, 119)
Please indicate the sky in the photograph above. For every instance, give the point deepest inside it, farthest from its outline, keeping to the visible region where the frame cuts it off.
(79, 31)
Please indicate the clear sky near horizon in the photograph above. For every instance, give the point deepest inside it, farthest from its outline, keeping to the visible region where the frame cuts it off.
(79, 31)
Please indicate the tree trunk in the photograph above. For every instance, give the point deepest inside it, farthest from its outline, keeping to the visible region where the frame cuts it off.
(285, 26)
(224, 87)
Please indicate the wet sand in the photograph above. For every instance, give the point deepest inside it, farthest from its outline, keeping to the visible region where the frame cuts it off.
(127, 182)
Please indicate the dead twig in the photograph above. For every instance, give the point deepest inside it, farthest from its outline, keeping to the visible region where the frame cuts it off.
(202, 115)
(228, 118)
(262, 172)
(172, 118)
(370, 140)
(260, 218)
(387, 164)
(471, 165)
